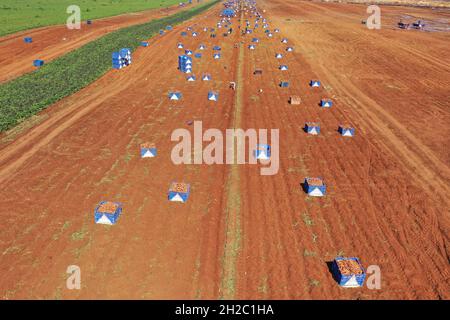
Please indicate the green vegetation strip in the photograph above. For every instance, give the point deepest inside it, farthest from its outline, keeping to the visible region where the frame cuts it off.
(233, 241)
(33, 92)
(17, 15)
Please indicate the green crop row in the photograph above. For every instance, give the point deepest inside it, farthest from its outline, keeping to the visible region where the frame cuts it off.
(17, 15)
(33, 92)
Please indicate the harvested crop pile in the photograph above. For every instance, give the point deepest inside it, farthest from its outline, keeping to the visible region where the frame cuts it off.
(147, 145)
(295, 100)
(108, 207)
(179, 187)
(315, 182)
(349, 267)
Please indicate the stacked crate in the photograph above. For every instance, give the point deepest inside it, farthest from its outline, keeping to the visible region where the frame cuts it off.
(179, 191)
(185, 64)
(121, 59)
(314, 187)
(348, 272)
(107, 212)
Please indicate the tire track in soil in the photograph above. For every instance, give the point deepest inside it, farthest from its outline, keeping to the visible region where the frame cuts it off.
(329, 120)
(373, 115)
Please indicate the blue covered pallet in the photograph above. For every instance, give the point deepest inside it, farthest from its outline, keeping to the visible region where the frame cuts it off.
(107, 212)
(179, 191)
(175, 95)
(262, 151)
(121, 59)
(89, 22)
(38, 63)
(144, 44)
(228, 12)
(217, 48)
(314, 83)
(198, 55)
(326, 103)
(314, 187)
(185, 64)
(346, 130)
(28, 40)
(183, 33)
(284, 84)
(348, 272)
(148, 150)
(161, 32)
(213, 96)
(169, 28)
(312, 128)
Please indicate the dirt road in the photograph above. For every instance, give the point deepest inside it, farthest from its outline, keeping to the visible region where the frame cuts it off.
(16, 56)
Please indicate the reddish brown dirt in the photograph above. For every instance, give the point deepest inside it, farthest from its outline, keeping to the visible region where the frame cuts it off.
(386, 187)
(88, 151)
(16, 56)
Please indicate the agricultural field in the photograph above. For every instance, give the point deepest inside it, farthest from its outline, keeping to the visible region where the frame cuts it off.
(413, 3)
(26, 95)
(351, 182)
(18, 15)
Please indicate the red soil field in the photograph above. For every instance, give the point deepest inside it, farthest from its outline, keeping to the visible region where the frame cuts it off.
(241, 235)
(387, 186)
(16, 56)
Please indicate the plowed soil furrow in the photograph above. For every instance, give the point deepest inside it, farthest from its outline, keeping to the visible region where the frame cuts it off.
(349, 168)
(115, 126)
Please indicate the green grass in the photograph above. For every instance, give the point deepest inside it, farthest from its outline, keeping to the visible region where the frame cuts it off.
(30, 93)
(17, 15)
(314, 282)
(307, 253)
(79, 235)
(307, 219)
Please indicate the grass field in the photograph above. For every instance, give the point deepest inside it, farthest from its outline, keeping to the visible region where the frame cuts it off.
(17, 15)
(30, 93)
